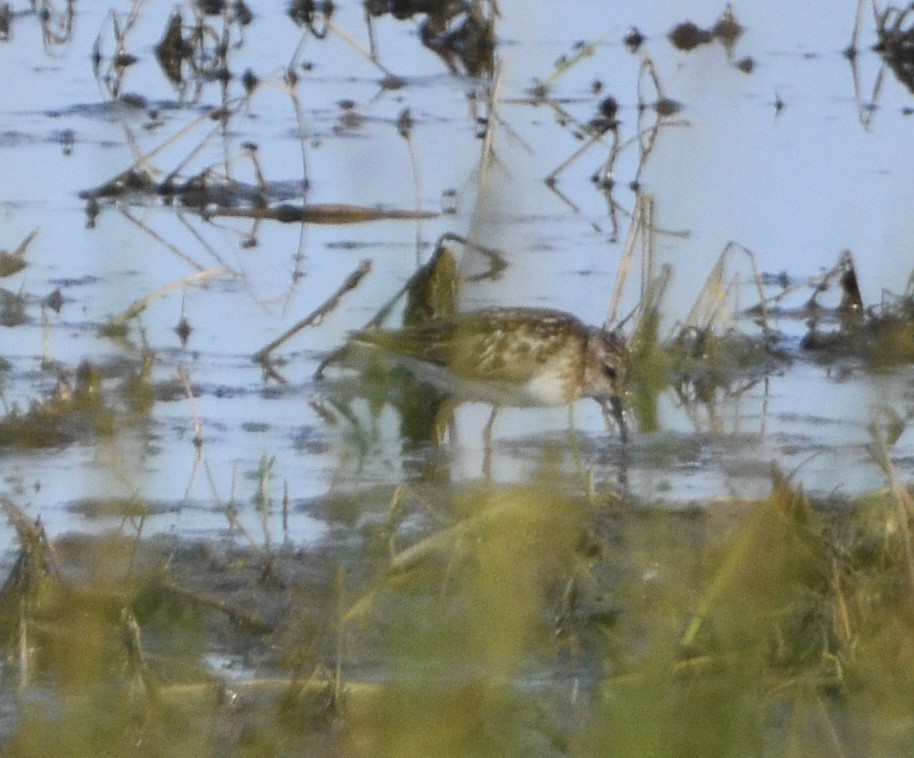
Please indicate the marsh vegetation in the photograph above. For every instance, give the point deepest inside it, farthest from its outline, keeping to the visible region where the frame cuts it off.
(226, 531)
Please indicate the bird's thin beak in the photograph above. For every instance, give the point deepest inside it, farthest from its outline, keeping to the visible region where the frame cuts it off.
(618, 414)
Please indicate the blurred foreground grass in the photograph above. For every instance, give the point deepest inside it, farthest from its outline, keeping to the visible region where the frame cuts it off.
(524, 620)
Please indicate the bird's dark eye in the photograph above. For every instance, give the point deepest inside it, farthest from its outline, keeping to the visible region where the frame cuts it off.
(610, 372)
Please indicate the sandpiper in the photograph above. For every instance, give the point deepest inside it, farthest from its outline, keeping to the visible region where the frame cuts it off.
(510, 357)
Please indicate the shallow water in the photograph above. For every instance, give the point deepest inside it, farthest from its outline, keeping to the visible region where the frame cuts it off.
(311, 537)
(796, 186)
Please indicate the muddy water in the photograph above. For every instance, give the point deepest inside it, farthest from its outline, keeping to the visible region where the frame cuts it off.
(826, 170)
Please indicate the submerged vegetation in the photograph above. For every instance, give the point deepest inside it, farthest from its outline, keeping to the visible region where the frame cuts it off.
(439, 613)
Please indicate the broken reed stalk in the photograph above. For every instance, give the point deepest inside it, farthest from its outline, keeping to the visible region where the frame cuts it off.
(263, 499)
(120, 34)
(496, 260)
(361, 50)
(250, 152)
(195, 416)
(851, 49)
(821, 283)
(12, 263)
(120, 38)
(711, 299)
(320, 213)
(865, 111)
(647, 244)
(564, 116)
(198, 148)
(138, 306)
(645, 139)
(640, 229)
(904, 505)
(485, 157)
(228, 508)
(144, 159)
(31, 534)
(763, 308)
(194, 232)
(647, 67)
(350, 283)
(23, 246)
(186, 129)
(405, 125)
(643, 133)
(816, 283)
(496, 265)
(594, 139)
(564, 65)
(300, 124)
(136, 665)
(174, 249)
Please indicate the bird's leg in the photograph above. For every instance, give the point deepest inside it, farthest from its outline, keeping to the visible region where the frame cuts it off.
(573, 439)
(487, 431)
(444, 421)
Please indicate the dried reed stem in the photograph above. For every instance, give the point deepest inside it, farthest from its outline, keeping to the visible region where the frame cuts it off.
(351, 282)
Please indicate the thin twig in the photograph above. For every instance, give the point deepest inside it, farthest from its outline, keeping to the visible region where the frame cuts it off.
(189, 390)
(358, 48)
(138, 306)
(553, 175)
(564, 65)
(640, 229)
(763, 307)
(125, 212)
(904, 506)
(485, 158)
(351, 282)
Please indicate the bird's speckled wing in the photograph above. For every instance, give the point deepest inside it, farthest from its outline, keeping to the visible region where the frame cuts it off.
(430, 342)
(499, 344)
(515, 343)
